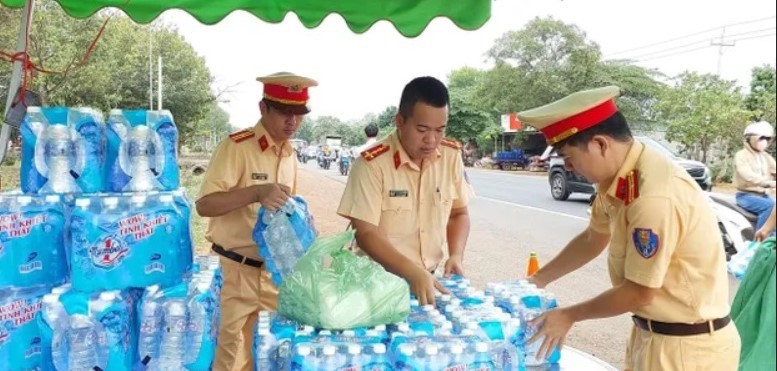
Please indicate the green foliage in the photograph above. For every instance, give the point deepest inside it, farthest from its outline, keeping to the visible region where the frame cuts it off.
(116, 74)
(703, 110)
(763, 94)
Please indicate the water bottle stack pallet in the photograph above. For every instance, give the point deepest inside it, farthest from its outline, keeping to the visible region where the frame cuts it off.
(468, 329)
(98, 234)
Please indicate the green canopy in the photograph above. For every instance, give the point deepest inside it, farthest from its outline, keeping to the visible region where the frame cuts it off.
(410, 17)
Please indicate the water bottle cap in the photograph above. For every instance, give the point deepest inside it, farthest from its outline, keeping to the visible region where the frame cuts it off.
(467, 332)
(447, 325)
(263, 331)
(457, 349)
(264, 314)
(138, 198)
(431, 349)
(33, 109)
(175, 308)
(403, 327)
(59, 290)
(354, 349)
(52, 199)
(414, 303)
(380, 328)
(308, 329)
(445, 297)
(379, 348)
(329, 350)
(107, 296)
(428, 308)
(50, 298)
(348, 333)
(515, 299)
(489, 299)
(481, 347)
(325, 333)
(110, 202)
(472, 325)
(303, 350)
(152, 289)
(166, 198)
(83, 202)
(406, 349)
(115, 111)
(24, 200)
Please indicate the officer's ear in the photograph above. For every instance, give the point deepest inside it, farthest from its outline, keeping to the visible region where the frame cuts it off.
(399, 120)
(263, 107)
(600, 144)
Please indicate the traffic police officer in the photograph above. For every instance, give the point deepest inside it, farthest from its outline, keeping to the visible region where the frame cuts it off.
(407, 195)
(252, 168)
(666, 260)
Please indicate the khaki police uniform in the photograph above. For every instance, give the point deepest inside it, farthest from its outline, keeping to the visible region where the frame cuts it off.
(411, 205)
(664, 236)
(247, 158)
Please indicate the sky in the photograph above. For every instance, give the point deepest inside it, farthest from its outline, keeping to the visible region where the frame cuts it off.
(363, 73)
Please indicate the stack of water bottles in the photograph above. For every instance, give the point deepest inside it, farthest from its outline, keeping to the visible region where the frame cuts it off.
(469, 329)
(99, 231)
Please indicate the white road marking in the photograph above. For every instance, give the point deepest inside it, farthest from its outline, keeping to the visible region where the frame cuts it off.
(532, 208)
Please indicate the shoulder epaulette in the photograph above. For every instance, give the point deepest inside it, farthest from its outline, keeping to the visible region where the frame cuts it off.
(451, 143)
(374, 152)
(241, 135)
(628, 188)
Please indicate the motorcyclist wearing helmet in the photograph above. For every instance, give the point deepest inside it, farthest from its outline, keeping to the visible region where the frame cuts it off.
(755, 171)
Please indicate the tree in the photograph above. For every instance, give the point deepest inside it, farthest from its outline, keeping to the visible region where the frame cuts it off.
(116, 75)
(465, 120)
(703, 110)
(385, 119)
(763, 93)
(549, 59)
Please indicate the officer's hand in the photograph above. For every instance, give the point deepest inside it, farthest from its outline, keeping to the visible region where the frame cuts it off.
(554, 326)
(763, 233)
(272, 196)
(423, 286)
(454, 265)
(537, 281)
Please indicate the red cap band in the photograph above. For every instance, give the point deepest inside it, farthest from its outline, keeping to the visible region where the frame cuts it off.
(572, 125)
(286, 95)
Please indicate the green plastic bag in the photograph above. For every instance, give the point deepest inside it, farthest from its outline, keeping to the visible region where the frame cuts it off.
(753, 311)
(334, 289)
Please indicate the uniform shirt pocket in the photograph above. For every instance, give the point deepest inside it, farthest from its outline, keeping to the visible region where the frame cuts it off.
(397, 217)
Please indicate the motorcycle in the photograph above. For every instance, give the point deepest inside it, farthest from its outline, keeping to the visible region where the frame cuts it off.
(737, 225)
(324, 161)
(345, 164)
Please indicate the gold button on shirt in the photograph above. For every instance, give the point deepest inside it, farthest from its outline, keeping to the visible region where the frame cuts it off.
(241, 161)
(666, 237)
(411, 205)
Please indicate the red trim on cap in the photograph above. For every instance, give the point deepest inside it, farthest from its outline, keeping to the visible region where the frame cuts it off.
(581, 121)
(286, 95)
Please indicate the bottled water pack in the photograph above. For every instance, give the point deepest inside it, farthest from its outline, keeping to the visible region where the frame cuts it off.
(142, 151)
(32, 241)
(89, 331)
(21, 348)
(739, 262)
(129, 240)
(284, 236)
(179, 324)
(60, 147)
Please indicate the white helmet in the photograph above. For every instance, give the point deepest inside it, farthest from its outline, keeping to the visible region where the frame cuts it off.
(760, 128)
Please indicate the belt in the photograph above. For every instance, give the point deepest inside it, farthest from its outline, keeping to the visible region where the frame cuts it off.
(236, 257)
(681, 329)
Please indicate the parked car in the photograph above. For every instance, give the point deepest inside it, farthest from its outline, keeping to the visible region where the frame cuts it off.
(564, 182)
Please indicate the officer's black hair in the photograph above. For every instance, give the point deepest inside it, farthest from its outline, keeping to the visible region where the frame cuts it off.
(615, 127)
(426, 90)
(371, 131)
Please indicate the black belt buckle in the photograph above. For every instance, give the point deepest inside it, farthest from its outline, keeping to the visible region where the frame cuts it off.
(243, 260)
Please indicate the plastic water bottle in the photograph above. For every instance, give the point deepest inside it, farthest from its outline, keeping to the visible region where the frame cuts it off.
(198, 319)
(482, 357)
(59, 153)
(331, 360)
(142, 153)
(354, 359)
(457, 360)
(56, 318)
(265, 344)
(150, 323)
(82, 344)
(303, 359)
(377, 359)
(173, 343)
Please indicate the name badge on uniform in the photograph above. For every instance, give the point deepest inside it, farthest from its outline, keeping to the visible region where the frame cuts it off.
(397, 193)
(258, 176)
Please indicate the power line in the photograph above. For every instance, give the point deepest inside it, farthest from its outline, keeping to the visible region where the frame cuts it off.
(704, 41)
(691, 35)
(701, 47)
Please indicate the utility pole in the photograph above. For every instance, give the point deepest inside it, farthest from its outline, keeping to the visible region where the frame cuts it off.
(722, 44)
(150, 72)
(159, 85)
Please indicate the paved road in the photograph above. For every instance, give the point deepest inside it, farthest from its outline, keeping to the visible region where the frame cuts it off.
(514, 215)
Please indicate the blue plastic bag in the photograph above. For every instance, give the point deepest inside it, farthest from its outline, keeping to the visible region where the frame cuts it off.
(283, 236)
